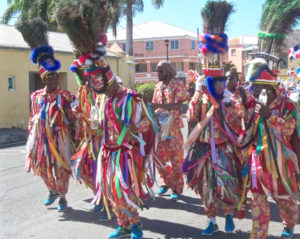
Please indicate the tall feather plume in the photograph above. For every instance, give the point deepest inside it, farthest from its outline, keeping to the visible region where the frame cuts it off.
(33, 31)
(215, 15)
(84, 20)
(278, 17)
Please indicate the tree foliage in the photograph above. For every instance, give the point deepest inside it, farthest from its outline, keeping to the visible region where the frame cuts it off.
(30, 9)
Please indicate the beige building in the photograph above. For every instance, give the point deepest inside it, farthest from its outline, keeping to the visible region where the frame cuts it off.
(19, 77)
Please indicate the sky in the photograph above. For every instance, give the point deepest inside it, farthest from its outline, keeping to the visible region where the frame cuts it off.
(186, 14)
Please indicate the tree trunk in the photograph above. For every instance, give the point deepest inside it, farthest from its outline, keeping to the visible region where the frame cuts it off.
(129, 29)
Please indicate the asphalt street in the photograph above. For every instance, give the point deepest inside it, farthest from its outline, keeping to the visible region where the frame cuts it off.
(23, 214)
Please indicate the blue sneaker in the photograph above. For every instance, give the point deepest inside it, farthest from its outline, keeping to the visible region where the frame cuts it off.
(287, 233)
(120, 232)
(97, 208)
(51, 198)
(174, 195)
(162, 190)
(211, 228)
(104, 216)
(136, 231)
(62, 205)
(229, 225)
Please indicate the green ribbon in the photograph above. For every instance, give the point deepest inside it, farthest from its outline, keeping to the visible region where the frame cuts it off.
(294, 112)
(117, 178)
(267, 35)
(224, 176)
(260, 135)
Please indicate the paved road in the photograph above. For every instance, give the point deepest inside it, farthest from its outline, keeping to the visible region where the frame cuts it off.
(23, 214)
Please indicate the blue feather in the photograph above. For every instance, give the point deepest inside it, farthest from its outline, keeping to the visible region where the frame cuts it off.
(37, 51)
(51, 67)
(73, 68)
(210, 82)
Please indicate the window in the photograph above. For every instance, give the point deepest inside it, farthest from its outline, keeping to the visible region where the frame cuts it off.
(141, 68)
(153, 67)
(178, 66)
(174, 44)
(192, 66)
(149, 45)
(11, 83)
(124, 46)
(233, 52)
(193, 45)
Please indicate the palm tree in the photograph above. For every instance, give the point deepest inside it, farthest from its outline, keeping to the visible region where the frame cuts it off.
(227, 66)
(130, 7)
(278, 18)
(43, 9)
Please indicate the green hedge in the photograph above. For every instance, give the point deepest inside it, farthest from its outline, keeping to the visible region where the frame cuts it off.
(146, 89)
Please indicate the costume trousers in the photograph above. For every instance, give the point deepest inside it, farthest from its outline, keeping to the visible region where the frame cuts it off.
(211, 209)
(87, 175)
(288, 211)
(170, 152)
(126, 214)
(59, 182)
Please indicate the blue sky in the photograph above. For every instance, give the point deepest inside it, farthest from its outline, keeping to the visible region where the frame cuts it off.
(186, 14)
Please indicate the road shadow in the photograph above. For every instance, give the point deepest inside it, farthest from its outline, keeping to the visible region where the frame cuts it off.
(185, 203)
(84, 216)
(177, 230)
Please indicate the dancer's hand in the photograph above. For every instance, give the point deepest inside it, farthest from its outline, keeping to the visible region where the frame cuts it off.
(263, 110)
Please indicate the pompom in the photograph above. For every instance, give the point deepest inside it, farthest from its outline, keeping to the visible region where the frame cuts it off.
(214, 43)
(51, 67)
(36, 52)
(73, 68)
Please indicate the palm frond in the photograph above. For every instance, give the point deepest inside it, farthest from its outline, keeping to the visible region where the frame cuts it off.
(158, 3)
(215, 15)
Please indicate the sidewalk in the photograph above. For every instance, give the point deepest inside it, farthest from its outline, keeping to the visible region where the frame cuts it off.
(12, 135)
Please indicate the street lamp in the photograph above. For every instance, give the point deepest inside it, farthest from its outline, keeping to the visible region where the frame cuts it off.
(167, 45)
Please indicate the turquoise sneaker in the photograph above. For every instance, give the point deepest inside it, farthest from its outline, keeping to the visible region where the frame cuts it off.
(211, 228)
(51, 198)
(104, 216)
(174, 195)
(62, 205)
(287, 233)
(136, 231)
(120, 232)
(229, 225)
(162, 190)
(97, 208)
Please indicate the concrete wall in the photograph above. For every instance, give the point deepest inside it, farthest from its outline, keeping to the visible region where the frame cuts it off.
(237, 58)
(15, 105)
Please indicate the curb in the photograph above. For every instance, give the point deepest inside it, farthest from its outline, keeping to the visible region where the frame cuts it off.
(12, 138)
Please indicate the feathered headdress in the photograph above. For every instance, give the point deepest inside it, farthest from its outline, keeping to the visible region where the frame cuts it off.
(34, 33)
(213, 42)
(259, 73)
(86, 23)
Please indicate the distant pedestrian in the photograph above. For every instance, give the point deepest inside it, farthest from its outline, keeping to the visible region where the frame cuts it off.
(169, 94)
